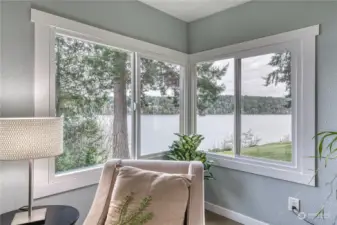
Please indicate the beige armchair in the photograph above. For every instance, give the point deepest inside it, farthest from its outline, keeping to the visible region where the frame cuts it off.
(195, 209)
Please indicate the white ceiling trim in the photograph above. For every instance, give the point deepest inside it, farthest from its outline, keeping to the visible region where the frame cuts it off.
(191, 10)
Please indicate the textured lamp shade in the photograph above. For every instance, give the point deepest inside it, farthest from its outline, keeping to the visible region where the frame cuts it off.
(30, 138)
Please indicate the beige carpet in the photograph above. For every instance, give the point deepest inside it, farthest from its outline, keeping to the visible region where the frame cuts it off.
(214, 219)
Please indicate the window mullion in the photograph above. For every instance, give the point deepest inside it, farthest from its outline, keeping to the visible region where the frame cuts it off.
(136, 106)
(183, 83)
(193, 99)
(237, 107)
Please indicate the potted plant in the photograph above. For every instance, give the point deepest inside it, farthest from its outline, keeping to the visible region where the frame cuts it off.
(186, 149)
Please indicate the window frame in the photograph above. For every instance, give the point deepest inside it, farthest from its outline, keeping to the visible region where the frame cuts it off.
(46, 25)
(138, 122)
(47, 182)
(301, 44)
(293, 48)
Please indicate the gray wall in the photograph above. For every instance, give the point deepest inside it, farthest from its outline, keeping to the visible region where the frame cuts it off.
(257, 196)
(17, 50)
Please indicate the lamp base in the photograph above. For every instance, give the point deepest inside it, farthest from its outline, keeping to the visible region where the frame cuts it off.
(22, 218)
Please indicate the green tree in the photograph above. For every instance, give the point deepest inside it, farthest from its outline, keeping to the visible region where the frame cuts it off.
(159, 76)
(208, 85)
(80, 102)
(281, 74)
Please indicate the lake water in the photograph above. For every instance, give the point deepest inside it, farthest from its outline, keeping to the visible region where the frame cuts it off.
(157, 130)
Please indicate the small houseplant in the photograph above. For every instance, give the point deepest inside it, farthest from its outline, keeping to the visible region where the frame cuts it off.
(186, 149)
(327, 150)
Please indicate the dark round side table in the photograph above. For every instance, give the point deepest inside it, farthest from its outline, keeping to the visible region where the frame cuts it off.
(56, 215)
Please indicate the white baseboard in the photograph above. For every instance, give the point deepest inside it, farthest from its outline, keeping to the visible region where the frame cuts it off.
(240, 218)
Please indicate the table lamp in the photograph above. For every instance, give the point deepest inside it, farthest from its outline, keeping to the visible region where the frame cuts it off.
(29, 139)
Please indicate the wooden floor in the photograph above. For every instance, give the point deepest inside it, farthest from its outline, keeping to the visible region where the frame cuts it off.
(214, 219)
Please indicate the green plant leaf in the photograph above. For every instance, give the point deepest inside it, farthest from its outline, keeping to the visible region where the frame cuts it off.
(186, 149)
(332, 143)
(172, 157)
(320, 212)
(321, 142)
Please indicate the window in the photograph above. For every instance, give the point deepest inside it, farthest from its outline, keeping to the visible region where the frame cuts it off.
(215, 105)
(160, 105)
(254, 103)
(119, 97)
(93, 95)
(264, 127)
(266, 106)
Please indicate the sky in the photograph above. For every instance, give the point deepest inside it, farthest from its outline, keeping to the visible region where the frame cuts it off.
(253, 70)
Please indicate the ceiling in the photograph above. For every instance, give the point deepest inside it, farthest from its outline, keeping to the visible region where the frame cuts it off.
(190, 10)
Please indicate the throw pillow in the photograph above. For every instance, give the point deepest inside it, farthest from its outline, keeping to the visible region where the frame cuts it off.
(155, 197)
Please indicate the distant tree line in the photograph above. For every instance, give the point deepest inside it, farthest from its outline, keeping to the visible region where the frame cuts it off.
(223, 105)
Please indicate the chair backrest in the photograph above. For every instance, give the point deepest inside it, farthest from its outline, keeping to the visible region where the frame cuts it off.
(195, 210)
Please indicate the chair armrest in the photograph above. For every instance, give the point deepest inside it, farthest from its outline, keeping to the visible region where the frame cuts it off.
(196, 208)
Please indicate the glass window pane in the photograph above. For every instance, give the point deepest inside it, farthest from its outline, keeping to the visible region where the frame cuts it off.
(93, 96)
(266, 106)
(215, 105)
(160, 105)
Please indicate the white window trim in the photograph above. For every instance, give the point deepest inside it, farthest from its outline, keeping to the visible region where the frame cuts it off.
(47, 183)
(46, 26)
(304, 41)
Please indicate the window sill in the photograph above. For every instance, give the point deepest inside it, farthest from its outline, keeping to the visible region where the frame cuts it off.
(277, 171)
(84, 178)
(77, 179)
(68, 182)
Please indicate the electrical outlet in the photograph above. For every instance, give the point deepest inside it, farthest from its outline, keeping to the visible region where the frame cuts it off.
(293, 202)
